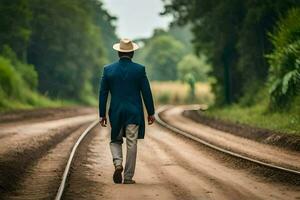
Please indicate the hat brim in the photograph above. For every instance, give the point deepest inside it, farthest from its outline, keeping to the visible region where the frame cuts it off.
(117, 47)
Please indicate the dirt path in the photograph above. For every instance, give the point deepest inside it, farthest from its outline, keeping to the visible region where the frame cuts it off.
(43, 114)
(27, 158)
(264, 152)
(168, 167)
(42, 178)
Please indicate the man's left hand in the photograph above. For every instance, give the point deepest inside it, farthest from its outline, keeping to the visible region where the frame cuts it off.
(103, 121)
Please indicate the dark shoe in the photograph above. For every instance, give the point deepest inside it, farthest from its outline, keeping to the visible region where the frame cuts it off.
(117, 177)
(130, 181)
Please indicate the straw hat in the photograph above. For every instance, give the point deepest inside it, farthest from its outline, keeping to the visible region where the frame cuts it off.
(125, 45)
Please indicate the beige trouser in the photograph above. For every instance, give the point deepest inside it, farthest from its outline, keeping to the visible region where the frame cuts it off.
(131, 131)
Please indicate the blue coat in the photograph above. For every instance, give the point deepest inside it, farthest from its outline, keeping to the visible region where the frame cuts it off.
(127, 82)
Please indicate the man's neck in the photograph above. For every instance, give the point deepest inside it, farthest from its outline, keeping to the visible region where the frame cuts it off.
(126, 57)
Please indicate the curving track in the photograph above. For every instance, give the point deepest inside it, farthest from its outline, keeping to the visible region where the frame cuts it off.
(165, 124)
(170, 167)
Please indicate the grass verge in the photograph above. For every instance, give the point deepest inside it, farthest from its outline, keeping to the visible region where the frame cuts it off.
(260, 116)
(33, 100)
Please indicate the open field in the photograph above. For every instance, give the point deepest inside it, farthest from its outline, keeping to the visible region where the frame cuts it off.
(175, 92)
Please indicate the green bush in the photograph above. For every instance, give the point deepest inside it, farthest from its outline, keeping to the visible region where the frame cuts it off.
(161, 56)
(258, 115)
(198, 67)
(284, 76)
(15, 91)
(10, 81)
(26, 71)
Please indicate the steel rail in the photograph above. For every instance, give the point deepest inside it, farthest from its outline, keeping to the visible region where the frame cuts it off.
(67, 169)
(234, 154)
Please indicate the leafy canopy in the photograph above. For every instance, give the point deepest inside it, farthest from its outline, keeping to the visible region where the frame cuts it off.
(284, 77)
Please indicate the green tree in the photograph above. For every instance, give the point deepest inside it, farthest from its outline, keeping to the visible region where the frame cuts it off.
(15, 31)
(26, 71)
(192, 69)
(190, 79)
(284, 77)
(161, 54)
(10, 81)
(184, 35)
(57, 46)
(14, 86)
(194, 65)
(66, 47)
(106, 22)
(233, 35)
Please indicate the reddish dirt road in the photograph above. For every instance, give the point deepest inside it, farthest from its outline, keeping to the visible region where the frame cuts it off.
(33, 153)
(251, 148)
(169, 166)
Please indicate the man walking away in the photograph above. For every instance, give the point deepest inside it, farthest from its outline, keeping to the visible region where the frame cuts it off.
(127, 82)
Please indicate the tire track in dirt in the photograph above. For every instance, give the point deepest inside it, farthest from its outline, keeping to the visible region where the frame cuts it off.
(41, 178)
(224, 179)
(30, 142)
(204, 180)
(91, 176)
(246, 147)
(168, 167)
(13, 165)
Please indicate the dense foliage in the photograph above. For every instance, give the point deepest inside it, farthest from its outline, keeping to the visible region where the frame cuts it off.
(56, 46)
(233, 35)
(191, 65)
(167, 55)
(163, 53)
(17, 83)
(284, 61)
(15, 30)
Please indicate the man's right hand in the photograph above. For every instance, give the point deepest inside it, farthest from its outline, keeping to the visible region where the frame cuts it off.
(151, 119)
(103, 121)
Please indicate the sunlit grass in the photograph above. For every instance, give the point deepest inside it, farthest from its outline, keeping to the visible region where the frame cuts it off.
(31, 101)
(259, 116)
(176, 92)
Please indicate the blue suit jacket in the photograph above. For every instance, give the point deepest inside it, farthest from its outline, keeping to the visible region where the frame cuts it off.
(126, 81)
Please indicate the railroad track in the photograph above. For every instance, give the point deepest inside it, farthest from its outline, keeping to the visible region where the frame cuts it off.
(71, 157)
(176, 130)
(215, 147)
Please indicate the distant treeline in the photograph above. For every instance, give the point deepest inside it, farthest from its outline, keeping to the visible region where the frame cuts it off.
(251, 44)
(168, 56)
(55, 47)
(170, 62)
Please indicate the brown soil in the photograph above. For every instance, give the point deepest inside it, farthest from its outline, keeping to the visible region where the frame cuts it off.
(232, 142)
(24, 145)
(266, 136)
(40, 176)
(39, 114)
(168, 167)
